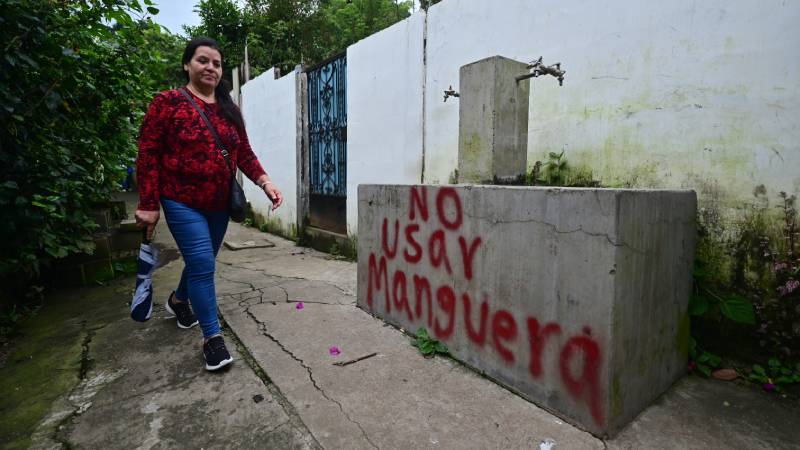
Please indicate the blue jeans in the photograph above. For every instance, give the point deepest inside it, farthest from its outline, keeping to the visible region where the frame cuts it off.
(198, 235)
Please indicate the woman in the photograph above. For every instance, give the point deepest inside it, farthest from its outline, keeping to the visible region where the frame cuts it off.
(181, 169)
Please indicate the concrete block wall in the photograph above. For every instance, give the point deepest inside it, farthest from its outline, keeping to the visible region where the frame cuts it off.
(574, 298)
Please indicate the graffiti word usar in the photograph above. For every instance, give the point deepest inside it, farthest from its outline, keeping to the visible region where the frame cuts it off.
(500, 326)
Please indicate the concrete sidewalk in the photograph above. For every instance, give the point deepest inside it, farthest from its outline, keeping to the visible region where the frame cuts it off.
(144, 386)
(399, 399)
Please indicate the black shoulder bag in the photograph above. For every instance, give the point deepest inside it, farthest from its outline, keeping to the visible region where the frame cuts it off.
(237, 203)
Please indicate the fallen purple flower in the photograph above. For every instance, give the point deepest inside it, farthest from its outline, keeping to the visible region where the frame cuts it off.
(334, 350)
(769, 387)
(299, 305)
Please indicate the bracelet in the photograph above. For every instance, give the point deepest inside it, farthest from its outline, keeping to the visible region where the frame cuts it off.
(264, 185)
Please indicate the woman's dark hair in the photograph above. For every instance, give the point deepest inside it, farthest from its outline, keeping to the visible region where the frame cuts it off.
(222, 92)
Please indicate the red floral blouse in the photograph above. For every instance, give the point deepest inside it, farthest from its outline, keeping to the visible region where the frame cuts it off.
(179, 160)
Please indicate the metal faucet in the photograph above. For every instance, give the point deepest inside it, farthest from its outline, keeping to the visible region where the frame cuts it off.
(450, 93)
(540, 69)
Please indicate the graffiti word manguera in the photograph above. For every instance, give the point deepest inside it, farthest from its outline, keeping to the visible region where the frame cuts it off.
(411, 296)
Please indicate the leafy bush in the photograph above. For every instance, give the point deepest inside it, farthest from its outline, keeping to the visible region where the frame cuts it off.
(73, 89)
(775, 376)
(746, 293)
(283, 34)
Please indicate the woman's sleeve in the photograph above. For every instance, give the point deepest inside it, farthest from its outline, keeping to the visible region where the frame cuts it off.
(247, 160)
(152, 138)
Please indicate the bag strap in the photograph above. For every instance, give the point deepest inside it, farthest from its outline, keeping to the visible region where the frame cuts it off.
(210, 126)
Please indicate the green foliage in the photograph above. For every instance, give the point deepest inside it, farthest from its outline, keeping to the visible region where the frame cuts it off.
(708, 362)
(786, 261)
(345, 250)
(705, 362)
(10, 320)
(76, 78)
(728, 305)
(581, 176)
(738, 309)
(745, 280)
(285, 33)
(351, 250)
(223, 21)
(425, 4)
(348, 21)
(271, 226)
(556, 171)
(776, 376)
(427, 345)
(334, 249)
(713, 293)
(128, 267)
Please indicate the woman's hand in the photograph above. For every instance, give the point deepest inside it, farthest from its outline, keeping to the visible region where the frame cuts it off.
(147, 219)
(274, 194)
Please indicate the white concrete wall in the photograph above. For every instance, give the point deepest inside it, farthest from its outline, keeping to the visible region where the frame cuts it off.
(663, 94)
(673, 94)
(384, 110)
(270, 114)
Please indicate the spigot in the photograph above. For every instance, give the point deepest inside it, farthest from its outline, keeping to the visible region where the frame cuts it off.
(554, 70)
(450, 93)
(540, 69)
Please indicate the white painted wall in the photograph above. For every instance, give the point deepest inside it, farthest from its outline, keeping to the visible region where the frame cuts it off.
(703, 95)
(270, 114)
(384, 110)
(670, 93)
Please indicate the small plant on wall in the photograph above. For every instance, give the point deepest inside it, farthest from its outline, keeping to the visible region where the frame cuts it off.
(427, 345)
(556, 171)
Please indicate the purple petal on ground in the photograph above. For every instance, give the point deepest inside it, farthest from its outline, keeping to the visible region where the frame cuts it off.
(334, 350)
(299, 305)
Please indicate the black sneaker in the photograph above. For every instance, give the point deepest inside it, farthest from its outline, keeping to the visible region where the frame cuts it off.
(216, 354)
(182, 311)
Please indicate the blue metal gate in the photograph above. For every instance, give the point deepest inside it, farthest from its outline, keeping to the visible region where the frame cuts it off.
(327, 127)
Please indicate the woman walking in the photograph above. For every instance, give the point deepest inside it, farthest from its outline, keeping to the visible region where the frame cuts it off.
(181, 169)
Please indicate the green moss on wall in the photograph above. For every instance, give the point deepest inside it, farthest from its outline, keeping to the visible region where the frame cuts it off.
(274, 226)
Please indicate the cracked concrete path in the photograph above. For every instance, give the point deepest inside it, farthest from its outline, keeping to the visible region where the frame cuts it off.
(153, 392)
(92, 378)
(398, 399)
(395, 399)
(84, 375)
